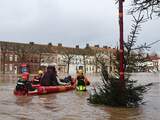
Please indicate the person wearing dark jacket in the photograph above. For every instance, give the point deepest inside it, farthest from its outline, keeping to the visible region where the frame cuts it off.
(49, 78)
(23, 83)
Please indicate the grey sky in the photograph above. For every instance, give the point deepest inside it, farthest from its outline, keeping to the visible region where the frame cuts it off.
(69, 22)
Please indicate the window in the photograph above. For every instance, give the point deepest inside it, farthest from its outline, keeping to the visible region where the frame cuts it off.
(10, 67)
(86, 68)
(10, 57)
(88, 61)
(6, 67)
(92, 68)
(59, 60)
(15, 58)
(6, 57)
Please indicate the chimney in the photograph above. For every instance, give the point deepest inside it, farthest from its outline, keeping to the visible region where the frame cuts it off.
(87, 45)
(105, 46)
(59, 44)
(50, 44)
(77, 46)
(31, 43)
(97, 46)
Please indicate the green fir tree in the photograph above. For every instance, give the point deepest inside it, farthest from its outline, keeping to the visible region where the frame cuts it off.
(111, 92)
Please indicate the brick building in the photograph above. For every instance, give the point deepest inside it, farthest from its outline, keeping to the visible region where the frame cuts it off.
(66, 59)
(13, 54)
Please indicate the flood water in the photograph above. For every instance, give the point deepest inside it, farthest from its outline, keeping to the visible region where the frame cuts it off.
(73, 105)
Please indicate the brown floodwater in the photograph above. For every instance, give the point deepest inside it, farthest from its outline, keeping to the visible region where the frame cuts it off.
(73, 105)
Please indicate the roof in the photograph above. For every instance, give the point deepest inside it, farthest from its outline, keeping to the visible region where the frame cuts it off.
(39, 48)
(108, 49)
(152, 57)
(23, 47)
(76, 51)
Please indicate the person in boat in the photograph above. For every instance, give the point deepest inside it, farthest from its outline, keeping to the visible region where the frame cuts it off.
(81, 86)
(81, 77)
(37, 79)
(23, 83)
(68, 80)
(50, 77)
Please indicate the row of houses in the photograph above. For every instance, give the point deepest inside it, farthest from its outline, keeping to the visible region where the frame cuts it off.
(152, 63)
(66, 59)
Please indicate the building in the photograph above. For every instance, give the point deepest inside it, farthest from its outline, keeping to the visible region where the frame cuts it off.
(66, 59)
(153, 63)
(13, 54)
(105, 54)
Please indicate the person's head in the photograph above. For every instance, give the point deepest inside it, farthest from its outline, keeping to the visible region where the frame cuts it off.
(69, 77)
(51, 69)
(80, 72)
(40, 72)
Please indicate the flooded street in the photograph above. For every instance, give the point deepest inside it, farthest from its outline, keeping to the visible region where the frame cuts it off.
(73, 105)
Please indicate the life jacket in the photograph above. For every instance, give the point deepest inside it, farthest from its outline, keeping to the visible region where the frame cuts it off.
(81, 80)
(24, 86)
(21, 86)
(81, 88)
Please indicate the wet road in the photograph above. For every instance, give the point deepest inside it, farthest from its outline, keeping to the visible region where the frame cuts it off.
(73, 105)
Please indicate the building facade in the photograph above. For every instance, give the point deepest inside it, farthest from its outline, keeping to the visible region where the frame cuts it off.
(66, 59)
(12, 55)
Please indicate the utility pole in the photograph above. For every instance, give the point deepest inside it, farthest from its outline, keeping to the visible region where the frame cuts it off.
(121, 41)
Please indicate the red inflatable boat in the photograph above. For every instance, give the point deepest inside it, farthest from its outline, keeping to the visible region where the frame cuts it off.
(45, 90)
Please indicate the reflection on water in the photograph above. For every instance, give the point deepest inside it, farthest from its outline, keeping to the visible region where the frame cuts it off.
(73, 105)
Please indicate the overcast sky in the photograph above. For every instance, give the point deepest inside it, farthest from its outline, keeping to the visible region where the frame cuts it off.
(69, 22)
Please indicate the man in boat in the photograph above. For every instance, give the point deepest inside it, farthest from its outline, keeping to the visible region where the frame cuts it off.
(37, 79)
(68, 80)
(80, 75)
(23, 83)
(82, 81)
(50, 77)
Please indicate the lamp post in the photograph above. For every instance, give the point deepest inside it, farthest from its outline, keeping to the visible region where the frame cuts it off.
(121, 41)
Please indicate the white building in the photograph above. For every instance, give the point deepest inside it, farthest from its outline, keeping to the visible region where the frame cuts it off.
(83, 59)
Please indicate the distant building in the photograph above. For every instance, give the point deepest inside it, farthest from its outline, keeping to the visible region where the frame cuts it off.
(106, 54)
(13, 54)
(64, 58)
(153, 63)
